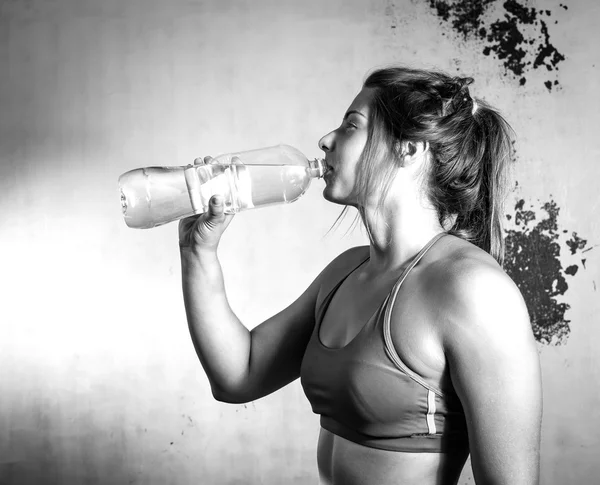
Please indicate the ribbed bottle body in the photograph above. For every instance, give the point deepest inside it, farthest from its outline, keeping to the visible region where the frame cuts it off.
(154, 196)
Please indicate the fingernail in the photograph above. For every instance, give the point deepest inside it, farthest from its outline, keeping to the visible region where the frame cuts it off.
(217, 200)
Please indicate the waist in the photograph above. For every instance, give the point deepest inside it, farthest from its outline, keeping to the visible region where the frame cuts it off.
(341, 461)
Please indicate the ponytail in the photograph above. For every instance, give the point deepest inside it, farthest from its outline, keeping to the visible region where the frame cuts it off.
(472, 184)
(470, 145)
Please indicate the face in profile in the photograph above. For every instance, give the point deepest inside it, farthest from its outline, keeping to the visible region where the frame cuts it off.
(343, 148)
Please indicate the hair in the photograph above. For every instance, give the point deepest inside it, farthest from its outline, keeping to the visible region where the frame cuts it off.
(470, 147)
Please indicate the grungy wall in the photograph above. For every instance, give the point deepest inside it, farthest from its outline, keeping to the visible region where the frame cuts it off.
(99, 383)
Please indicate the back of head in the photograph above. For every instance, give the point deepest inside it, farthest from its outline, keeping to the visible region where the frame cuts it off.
(469, 143)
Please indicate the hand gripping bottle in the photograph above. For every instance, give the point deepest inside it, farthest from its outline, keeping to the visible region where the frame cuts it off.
(153, 196)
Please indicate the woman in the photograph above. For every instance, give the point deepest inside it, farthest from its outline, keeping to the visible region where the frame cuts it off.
(415, 350)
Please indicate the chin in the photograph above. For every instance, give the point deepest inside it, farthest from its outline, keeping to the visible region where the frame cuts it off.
(330, 196)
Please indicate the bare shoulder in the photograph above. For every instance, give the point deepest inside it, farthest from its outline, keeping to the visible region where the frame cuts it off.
(346, 261)
(476, 296)
(350, 256)
(492, 360)
(340, 266)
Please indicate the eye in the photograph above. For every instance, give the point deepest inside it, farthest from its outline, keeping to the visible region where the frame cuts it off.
(350, 124)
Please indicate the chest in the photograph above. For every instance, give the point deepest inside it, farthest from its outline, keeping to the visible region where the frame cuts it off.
(356, 306)
(349, 308)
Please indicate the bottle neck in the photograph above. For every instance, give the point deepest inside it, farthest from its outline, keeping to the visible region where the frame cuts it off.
(317, 168)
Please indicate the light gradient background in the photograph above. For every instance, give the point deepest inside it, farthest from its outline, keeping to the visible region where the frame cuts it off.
(99, 383)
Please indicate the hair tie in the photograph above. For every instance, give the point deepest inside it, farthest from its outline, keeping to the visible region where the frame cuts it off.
(474, 109)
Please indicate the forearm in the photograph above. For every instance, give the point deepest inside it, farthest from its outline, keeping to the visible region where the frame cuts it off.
(220, 339)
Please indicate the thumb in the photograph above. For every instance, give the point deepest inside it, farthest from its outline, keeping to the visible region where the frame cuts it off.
(216, 208)
(213, 222)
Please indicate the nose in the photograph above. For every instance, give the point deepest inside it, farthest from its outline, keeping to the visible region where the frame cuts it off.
(326, 142)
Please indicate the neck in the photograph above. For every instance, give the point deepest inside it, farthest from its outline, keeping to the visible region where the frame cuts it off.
(398, 232)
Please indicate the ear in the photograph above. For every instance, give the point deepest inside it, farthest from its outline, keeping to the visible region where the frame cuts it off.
(413, 151)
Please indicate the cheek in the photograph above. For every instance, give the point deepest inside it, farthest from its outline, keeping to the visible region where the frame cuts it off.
(359, 141)
(339, 185)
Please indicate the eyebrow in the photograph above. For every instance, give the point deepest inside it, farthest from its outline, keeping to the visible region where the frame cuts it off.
(353, 111)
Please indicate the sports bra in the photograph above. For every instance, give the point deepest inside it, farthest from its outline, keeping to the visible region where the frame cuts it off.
(366, 394)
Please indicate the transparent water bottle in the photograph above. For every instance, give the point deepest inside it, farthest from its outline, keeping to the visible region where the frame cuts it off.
(153, 196)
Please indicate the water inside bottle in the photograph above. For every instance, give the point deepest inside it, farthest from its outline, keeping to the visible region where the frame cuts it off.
(154, 196)
(274, 184)
(247, 186)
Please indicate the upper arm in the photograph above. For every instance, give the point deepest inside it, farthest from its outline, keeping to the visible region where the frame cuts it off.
(494, 366)
(278, 344)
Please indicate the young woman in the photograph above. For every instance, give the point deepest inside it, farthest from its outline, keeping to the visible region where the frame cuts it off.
(417, 349)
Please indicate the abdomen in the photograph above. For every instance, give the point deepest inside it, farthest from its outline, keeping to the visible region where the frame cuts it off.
(343, 462)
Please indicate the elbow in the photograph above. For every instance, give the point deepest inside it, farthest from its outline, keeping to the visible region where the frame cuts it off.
(228, 397)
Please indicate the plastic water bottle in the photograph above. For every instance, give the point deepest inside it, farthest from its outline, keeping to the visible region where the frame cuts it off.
(153, 196)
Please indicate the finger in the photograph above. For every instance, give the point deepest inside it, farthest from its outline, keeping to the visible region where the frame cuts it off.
(236, 161)
(216, 206)
(209, 159)
(199, 161)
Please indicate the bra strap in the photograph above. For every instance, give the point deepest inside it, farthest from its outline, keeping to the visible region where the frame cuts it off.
(389, 305)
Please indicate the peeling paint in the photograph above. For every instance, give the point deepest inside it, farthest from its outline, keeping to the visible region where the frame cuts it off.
(515, 34)
(576, 243)
(533, 261)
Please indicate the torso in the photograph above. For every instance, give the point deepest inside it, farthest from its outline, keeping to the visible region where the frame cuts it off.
(416, 336)
(342, 462)
(414, 326)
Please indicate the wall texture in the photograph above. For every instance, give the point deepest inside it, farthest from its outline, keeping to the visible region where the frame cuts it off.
(99, 383)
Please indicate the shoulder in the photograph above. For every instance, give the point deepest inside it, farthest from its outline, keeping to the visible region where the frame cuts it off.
(347, 260)
(492, 360)
(341, 265)
(476, 296)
